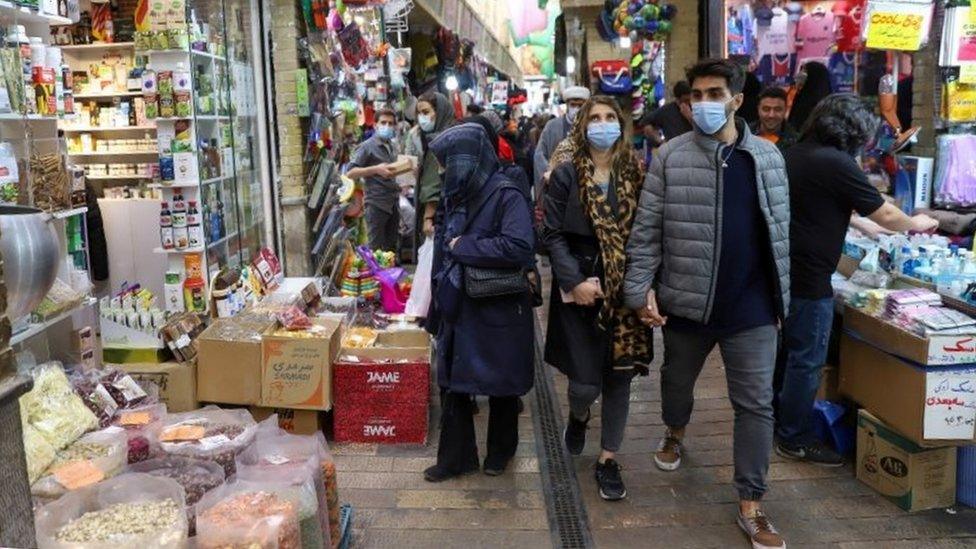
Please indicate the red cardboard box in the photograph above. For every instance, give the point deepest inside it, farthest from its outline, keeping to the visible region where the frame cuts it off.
(402, 383)
(385, 422)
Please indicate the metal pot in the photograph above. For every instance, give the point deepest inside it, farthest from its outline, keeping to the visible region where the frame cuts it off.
(30, 250)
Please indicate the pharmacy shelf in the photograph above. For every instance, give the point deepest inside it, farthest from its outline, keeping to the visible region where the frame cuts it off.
(26, 15)
(35, 328)
(106, 95)
(195, 53)
(78, 129)
(117, 177)
(21, 117)
(64, 214)
(184, 251)
(175, 185)
(221, 241)
(115, 153)
(98, 46)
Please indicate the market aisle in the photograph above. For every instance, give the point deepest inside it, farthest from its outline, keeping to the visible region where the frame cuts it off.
(695, 506)
(396, 508)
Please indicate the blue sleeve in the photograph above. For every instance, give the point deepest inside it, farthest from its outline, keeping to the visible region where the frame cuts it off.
(514, 244)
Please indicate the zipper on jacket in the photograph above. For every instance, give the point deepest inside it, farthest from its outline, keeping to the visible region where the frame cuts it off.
(716, 240)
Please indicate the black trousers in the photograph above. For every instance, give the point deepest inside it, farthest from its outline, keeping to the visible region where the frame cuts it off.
(457, 450)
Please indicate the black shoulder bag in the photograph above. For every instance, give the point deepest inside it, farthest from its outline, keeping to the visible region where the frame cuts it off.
(483, 282)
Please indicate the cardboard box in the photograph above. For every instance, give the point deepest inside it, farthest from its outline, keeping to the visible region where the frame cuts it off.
(936, 350)
(917, 401)
(177, 382)
(411, 344)
(381, 422)
(297, 422)
(398, 382)
(229, 361)
(912, 477)
(847, 265)
(296, 372)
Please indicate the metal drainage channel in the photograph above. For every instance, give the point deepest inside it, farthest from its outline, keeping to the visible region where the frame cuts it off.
(568, 523)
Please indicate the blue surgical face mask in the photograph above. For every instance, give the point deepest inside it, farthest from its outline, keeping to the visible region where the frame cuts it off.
(426, 123)
(571, 113)
(385, 132)
(603, 135)
(709, 116)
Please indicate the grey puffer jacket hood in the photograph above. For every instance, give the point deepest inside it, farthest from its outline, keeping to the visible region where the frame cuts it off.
(675, 244)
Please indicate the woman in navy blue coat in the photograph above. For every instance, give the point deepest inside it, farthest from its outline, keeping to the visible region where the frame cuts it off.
(484, 345)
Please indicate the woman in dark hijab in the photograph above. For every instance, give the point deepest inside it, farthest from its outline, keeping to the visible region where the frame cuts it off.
(434, 115)
(750, 103)
(814, 81)
(483, 222)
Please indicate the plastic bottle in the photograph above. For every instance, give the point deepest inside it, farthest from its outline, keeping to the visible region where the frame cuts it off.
(194, 231)
(17, 38)
(165, 227)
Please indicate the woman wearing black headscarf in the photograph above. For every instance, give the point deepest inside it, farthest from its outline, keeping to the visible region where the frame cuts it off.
(814, 82)
(484, 344)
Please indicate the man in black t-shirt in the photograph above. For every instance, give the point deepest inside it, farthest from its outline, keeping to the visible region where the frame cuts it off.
(826, 185)
(672, 119)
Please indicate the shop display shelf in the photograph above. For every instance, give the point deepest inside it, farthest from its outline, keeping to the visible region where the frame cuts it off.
(184, 251)
(115, 153)
(106, 95)
(26, 15)
(64, 214)
(206, 182)
(221, 241)
(213, 118)
(97, 46)
(21, 117)
(34, 328)
(175, 185)
(173, 118)
(209, 55)
(79, 129)
(118, 177)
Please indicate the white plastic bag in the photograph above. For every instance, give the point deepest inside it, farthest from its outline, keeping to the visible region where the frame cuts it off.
(419, 301)
(105, 449)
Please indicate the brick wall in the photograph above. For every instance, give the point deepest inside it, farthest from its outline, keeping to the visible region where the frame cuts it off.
(291, 137)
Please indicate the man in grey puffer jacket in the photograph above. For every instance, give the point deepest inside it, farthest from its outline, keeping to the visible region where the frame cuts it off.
(708, 259)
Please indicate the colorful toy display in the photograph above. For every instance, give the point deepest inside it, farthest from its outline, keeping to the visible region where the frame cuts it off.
(649, 19)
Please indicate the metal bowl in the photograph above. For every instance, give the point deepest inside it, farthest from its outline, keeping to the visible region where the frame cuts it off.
(30, 249)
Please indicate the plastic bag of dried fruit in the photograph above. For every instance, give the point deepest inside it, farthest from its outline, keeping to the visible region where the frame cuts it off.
(52, 407)
(90, 459)
(130, 511)
(302, 478)
(210, 433)
(273, 445)
(195, 476)
(142, 425)
(243, 514)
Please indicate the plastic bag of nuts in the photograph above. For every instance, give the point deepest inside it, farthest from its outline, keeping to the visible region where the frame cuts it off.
(245, 515)
(196, 476)
(105, 450)
(296, 481)
(210, 433)
(130, 511)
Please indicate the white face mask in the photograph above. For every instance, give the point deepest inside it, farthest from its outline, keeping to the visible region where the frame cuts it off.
(426, 123)
(571, 113)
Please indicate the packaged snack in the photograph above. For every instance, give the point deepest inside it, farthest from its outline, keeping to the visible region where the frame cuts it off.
(130, 511)
(209, 433)
(88, 460)
(38, 452)
(296, 482)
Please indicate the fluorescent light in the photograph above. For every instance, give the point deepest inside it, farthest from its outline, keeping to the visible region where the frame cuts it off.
(624, 42)
(451, 83)
(570, 64)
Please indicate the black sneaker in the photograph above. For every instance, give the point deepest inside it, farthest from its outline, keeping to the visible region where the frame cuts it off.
(575, 434)
(814, 453)
(436, 473)
(495, 466)
(608, 479)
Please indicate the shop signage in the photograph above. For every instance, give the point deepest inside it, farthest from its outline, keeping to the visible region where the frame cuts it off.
(898, 25)
(499, 92)
(950, 405)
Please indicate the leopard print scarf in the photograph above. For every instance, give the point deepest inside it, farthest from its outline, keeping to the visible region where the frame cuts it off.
(631, 339)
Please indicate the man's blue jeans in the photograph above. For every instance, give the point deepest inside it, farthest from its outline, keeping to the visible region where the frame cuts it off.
(806, 335)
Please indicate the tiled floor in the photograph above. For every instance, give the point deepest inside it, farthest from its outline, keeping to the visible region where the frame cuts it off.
(693, 507)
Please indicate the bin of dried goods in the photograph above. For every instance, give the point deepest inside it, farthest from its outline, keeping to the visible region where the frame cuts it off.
(209, 433)
(142, 425)
(244, 515)
(90, 459)
(130, 511)
(196, 476)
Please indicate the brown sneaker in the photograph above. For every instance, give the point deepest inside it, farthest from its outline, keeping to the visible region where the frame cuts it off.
(668, 455)
(761, 532)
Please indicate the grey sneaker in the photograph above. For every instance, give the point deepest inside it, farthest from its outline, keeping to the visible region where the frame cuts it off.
(761, 532)
(668, 454)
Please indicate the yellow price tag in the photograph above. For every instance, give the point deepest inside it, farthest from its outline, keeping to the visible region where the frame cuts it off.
(895, 31)
(972, 15)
